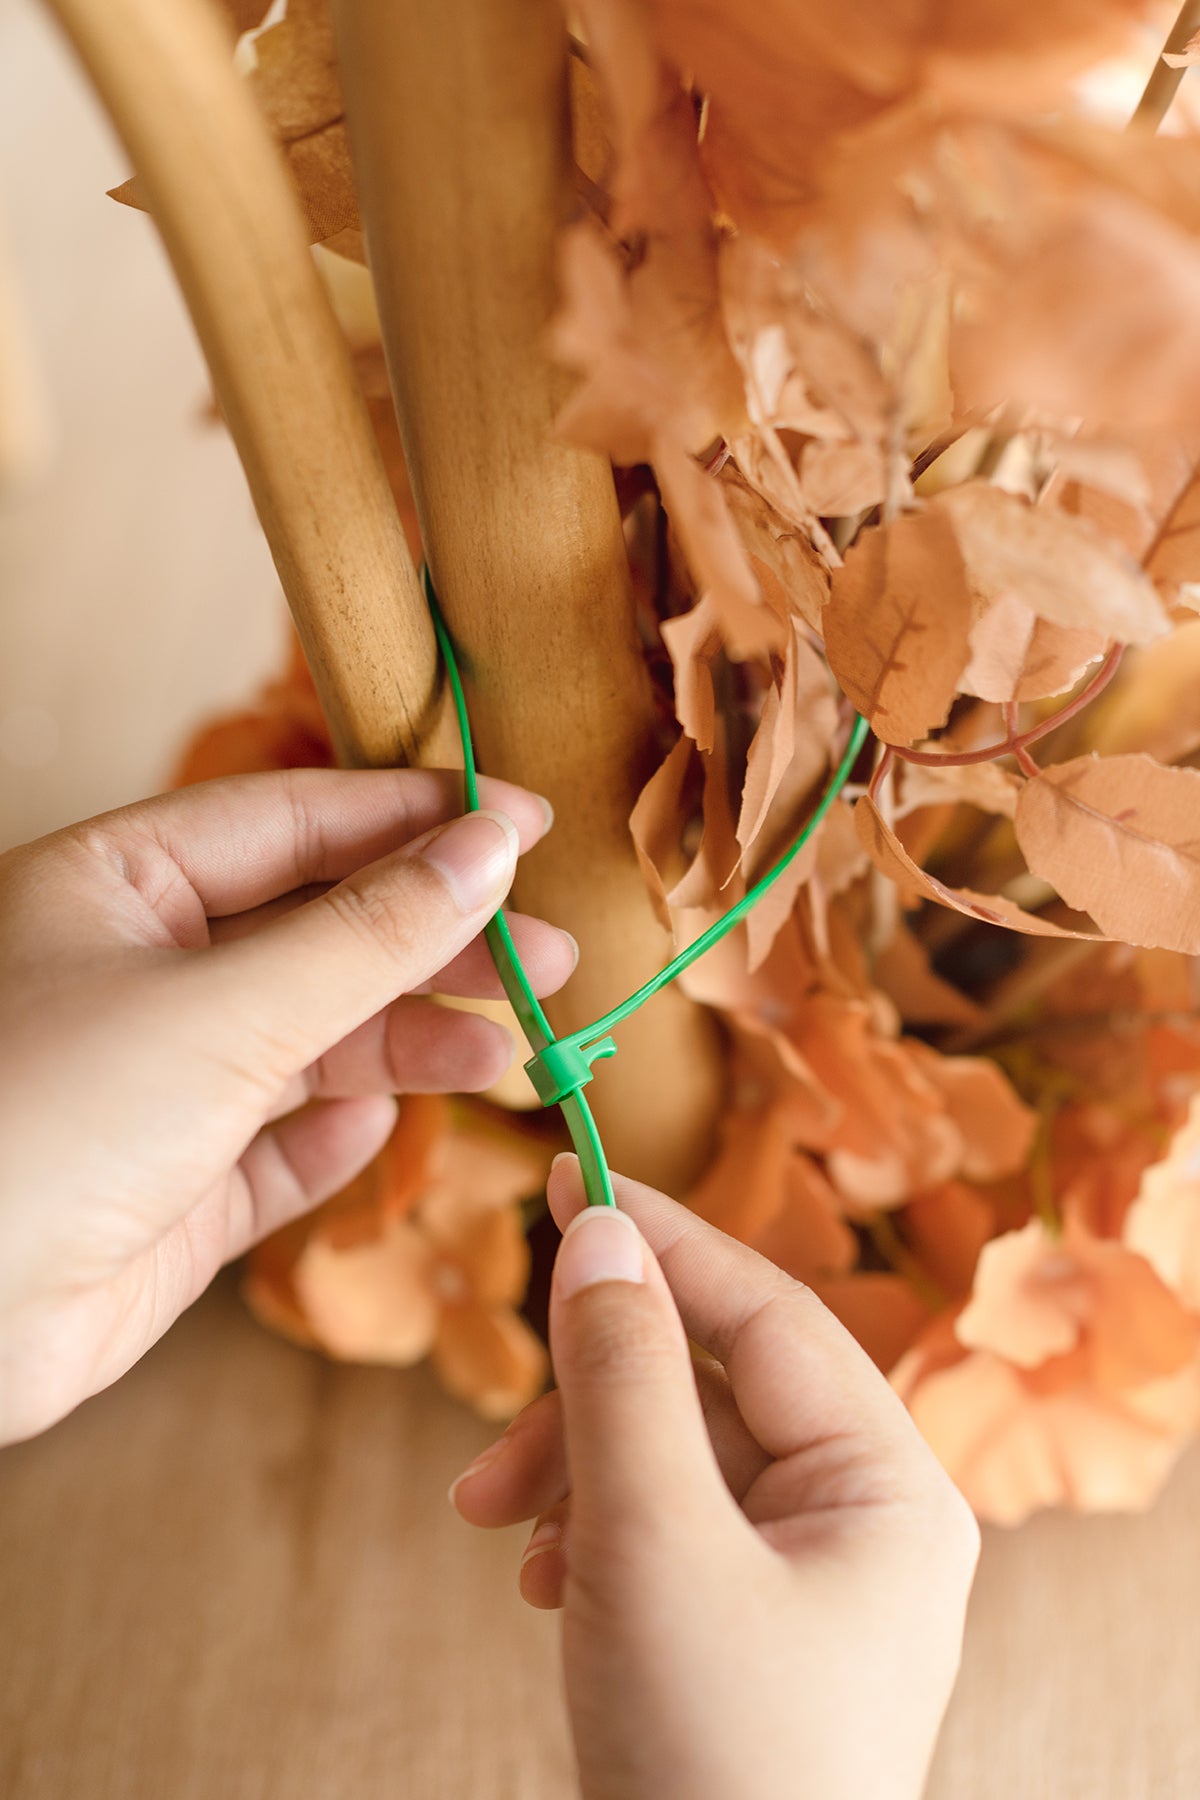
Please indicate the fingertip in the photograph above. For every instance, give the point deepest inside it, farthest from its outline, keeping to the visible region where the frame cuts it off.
(564, 1189)
(531, 812)
(543, 1572)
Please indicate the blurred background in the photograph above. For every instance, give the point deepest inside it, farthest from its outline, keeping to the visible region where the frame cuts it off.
(136, 592)
(136, 596)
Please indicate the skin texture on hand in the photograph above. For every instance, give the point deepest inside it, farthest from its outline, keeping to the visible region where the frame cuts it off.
(207, 1002)
(762, 1568)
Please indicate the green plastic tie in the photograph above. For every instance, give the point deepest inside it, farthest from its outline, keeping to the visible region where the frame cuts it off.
(560, 1067)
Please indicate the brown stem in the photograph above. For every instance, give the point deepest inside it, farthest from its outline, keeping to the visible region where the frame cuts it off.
(457, 111)
(231, 225)
(1016, 746)
(1164, 81)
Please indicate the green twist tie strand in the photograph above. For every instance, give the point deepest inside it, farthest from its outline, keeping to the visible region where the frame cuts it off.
(561, 1067)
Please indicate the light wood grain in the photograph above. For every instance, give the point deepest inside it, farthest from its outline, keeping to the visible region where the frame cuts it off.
(235, 1577)
(457, 111)
(236, 1574)
(232, 227)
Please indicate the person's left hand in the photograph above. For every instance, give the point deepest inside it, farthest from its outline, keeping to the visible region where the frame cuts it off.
(177, 979)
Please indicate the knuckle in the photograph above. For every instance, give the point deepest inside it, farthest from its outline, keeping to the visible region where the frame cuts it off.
(374, 915)
(308, 826)
(617, 1338)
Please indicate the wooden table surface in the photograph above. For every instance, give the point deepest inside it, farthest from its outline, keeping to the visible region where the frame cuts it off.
(235, 1574)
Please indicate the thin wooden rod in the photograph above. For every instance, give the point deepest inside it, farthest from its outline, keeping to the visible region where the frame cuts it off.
(1163, 85)
(457, 111)
(231, 224)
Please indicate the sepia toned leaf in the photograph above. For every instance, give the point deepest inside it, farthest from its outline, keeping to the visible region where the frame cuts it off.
(1119, 837)
(889, 856)
(897, 623)
(1057, 567)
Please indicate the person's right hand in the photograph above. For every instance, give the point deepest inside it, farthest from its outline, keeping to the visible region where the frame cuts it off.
(763, 1569)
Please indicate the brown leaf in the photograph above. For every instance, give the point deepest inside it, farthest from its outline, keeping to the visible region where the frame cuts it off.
(789, 572)
(1057, 567)
(295, 76)
(246, 15)
(656, 821)
(889, 856)
(1183, 59)
(1155, 706)
(1119, 837)
(1017, 656)
(1173, 557)
(903, 970)
(693, 640)
(897, 623)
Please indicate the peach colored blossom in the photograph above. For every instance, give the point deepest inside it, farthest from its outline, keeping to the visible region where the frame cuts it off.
(425, 1255)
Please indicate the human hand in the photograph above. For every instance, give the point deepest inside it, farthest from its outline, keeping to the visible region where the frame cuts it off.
(763, 1569)
(176, 979)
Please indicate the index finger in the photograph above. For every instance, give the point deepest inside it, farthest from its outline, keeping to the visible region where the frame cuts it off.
(798, 1376)
(244, 840)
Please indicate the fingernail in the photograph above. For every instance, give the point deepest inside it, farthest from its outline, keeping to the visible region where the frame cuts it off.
(547, 809)
(600, 1244)
(477, 1467)
(563, 1156)
(548, 1536)
(475, 856)
(574, 944)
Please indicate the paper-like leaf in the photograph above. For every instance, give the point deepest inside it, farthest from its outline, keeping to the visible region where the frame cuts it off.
(897, 623)
(1017, 656)
(655, 822)
(693, 640)
(1119, 837)
(889, 856)
(1155, 707)
(784, 75)
(1056, 566)
(1183, 59)
(1173, 557)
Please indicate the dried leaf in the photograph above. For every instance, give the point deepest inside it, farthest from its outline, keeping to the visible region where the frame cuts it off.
(693, 640)
(1155, 706)
(985, 785)
(889, 856)
(655, 825)
(1183, 59)
(903, 970)
(1173, 556)
(1017, 656)
(1119, 837)
(897, 623)
(1056, 566)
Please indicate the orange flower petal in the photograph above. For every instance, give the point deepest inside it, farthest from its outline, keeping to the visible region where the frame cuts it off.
(490, 1358)
(374, 1302)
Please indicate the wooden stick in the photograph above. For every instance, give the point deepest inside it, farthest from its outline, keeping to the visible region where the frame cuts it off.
(231, 224)
(458, 122)
(1164, 81)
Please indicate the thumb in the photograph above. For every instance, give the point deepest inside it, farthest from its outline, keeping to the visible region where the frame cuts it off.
(637, 1446)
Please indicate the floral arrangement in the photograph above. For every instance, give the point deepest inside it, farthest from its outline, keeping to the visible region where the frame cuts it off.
(886, 322)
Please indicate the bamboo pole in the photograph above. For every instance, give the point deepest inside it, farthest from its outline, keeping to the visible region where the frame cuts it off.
(1163, 83)
(457, 111)
(215, 184)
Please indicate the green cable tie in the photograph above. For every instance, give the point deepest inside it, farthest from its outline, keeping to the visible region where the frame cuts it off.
(561, 1067)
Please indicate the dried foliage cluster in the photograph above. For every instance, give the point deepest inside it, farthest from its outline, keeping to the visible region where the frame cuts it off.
(889, 331)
